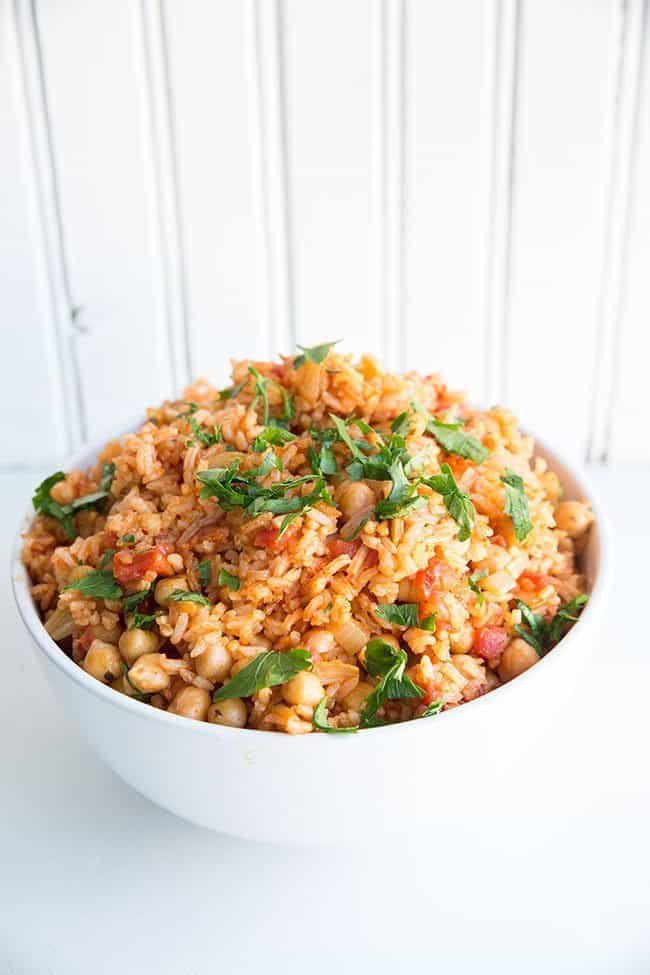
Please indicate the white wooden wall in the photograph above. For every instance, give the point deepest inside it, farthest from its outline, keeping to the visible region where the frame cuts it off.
(457, 186)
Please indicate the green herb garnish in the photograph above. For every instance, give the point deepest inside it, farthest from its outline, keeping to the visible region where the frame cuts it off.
(321, 722)
(144, 621)
(127, 539)
(457, 503)
(227, 579)
(100, 584)
(137, 693)
(232, 391)
(388, 664)
(516, 505)
(191, 408)
(205, 438)
(473, 582)
(134, 599)
(106, 557)
(317, 353)
(272, 436)
(44, 504)
(401, 424)
(323, 462)
(266, 670)
(398, 614)
(451, 438)
(434, 708)
(542, 635)
(186, 596)
(204, 570)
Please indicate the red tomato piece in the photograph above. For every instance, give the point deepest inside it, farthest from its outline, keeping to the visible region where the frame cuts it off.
(436, 577)
(338, 546)
(128, 567)
(490, 642)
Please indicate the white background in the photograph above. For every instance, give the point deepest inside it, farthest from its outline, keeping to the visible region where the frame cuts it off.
(453, 186)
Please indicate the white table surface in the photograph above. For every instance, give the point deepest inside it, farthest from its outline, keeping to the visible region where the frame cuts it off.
(93, 878)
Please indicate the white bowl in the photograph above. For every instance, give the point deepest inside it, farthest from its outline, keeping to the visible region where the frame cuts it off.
(328, 788)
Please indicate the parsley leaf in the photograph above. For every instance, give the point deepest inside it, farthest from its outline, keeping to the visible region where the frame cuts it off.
(185, 596)
(191, 408)
(429, 622)
(134, 599)
(457, 503)
(344, 436)
(99, 584)
(401, 424)
(434, 708)
(232, 391)
(106, 557)
(451, 438)
(44, 504)
(227, 579)
(388, 664)
(473, 582)
(398, 614)
(542, 635)
(266, 670)
(275, 436)
(323, 462)
(321, 722)
(204, 438)
(204, 570)
(517, 504)
(261, 387)
(317, 353)
(144, 621)
(127, 539)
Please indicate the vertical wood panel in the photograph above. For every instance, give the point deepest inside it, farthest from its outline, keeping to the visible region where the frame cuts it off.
(566, 89)
(31, 400)
(447, 159)
(213, 79)
(332, 136)
(93, 60)
(625, 357)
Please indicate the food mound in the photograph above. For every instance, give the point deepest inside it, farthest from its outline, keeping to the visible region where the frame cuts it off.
(320, 546)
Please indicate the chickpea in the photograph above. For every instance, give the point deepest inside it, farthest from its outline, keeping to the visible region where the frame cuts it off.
(461, 642)
(191, 702)
(573, 517)
(353, 496)
(103, 661)
(318, 641)
(517, 657)
(304, 688)
(232, 713)
(214, 663)
(148, 674)
(135, 642)
(165, 587)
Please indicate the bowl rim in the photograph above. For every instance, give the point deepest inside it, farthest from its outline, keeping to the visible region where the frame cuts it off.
(246, 736)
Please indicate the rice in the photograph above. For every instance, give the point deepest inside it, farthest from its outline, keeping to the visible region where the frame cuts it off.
(420, 556)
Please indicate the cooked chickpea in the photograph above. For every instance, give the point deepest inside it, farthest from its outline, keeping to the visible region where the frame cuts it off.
(232, 713)
(148, 674)
(573, 517)
(304, 688)
(135, 642)
(191, 702)
(318, 641)
(517, 657)
(165, 587)
(103, 661)
(108, 634)
(214, 663)
(353, 496)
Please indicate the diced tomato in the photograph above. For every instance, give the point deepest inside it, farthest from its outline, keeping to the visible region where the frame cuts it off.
(533, 581)
(338, 546)
(490, 642)
(430, 692)
(436, 577)
(499, 540)
(128, 567)
(85, 639)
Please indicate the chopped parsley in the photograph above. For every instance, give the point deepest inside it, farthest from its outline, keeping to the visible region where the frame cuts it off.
(44, 504)
(106, 557)
(317, 353)
(451, 438)
(272, 436)
(434, 708)
(191, 408)
(231, 391)
(401, 424)
(388, 664)
(266, 670)
(405, 614)
(321, 722)
(204, 570)
(474, 584)
(516, 505)
(233, 489)
(323, 462)
(229, 580)
(144, 621)
(205, 438)
(186, 596)
(127, 539)
(100, 584)
(542, 635)
(457, 503)
(134, 599)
